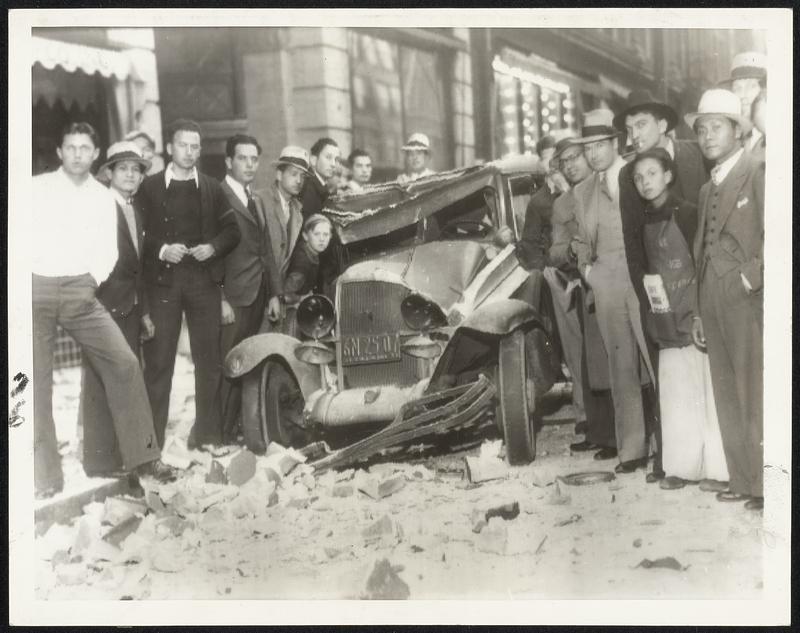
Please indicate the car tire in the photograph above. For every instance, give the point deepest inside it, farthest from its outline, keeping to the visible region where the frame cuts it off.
(272, 408)
(514, 400)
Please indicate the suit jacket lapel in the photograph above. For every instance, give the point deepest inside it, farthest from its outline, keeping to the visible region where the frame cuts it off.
(701, 223)
(236, 203)
(729, 190)
(137, 217)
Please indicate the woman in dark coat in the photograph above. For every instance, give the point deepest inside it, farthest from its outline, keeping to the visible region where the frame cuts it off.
(692, 445)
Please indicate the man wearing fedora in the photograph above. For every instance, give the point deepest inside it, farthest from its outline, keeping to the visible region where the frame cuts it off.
(729, 252)
(77, 231)
(602, 263)
(189, 229)
(253, 281)
(748, 79)
(580, 337)
(123, 296)
(417, 154)
(647, 123)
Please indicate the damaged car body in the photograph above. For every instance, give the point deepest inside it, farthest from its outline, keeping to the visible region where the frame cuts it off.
(429, 299)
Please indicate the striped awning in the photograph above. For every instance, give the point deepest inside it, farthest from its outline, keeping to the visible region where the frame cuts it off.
(78, 57)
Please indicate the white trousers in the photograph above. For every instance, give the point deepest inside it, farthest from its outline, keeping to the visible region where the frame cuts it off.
(692, 444)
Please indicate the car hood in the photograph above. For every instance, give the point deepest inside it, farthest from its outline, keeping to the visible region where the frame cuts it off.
(382, 208)
(439, 270)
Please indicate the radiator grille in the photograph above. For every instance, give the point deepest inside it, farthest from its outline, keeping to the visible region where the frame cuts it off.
(373, 307)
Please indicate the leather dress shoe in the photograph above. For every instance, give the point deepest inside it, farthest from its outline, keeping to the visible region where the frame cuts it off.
(630, 466)
(713, 485)
(580, 447)
(654, 476)
(580, 428)
(729, 495)
(672, 483)
(157, 470)
(754, 503)
(607, 452)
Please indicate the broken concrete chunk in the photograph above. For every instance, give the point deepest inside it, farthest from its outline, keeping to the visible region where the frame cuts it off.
(58, 538)
(89, 529)
(494, 537)
(216, 474)
(369, 486)
(273, 499)
(491, 449)
(343, 489)
(481, 468)
(557, 496)
(668, 562)
(171, 526)
(308, 481)
(242, 468)
(384, 531)
(122, 531)
(384, 583)
(72, 574)
(119, 509)
(332, 552)
(390, 486)
(507, 512)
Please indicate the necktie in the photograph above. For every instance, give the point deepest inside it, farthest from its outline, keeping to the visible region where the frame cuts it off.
(604, 183)
(715, 175)
(251, 206)
(130, 218)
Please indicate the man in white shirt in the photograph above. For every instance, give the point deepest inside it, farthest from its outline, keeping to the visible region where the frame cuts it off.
(75, 219)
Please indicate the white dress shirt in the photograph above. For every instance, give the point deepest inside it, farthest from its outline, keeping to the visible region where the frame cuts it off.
(238, 189)
(723, 169)
(169, 174)
(75, 227)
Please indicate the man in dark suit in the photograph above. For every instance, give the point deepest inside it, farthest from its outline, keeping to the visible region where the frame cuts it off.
(122, 294)
(647, 123)
(729, 256)
(189, 229)
(253, 281)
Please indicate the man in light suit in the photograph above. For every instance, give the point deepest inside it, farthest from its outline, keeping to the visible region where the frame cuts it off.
(282, 205)
(602, 263)
(729, 256)
(252, 280)
(647, 123)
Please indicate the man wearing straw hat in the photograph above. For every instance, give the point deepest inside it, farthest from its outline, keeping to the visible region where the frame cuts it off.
(602, 263)
(417, 153)
(729, 255)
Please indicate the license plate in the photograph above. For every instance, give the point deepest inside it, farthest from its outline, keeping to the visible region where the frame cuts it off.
(371, 348)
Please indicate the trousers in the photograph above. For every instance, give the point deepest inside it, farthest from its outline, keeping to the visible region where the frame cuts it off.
(71, 303)
(733, 326)
(194, 293)
(247, 323)
(619, 320)
(100, 446)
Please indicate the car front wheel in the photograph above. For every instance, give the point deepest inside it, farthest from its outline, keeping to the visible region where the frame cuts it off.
(272, 408)
(514, 399)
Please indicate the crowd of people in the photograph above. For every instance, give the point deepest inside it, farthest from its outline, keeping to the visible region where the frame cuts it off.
(654, 266)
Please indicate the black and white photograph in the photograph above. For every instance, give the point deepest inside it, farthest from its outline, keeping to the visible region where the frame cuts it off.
(400, 316)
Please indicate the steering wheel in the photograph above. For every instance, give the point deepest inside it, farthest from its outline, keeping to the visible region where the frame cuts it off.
(470, 227)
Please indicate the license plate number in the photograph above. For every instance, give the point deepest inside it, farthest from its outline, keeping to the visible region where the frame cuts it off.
(371, 348)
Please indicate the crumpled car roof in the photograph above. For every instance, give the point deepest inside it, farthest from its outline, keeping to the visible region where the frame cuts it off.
(386, 207)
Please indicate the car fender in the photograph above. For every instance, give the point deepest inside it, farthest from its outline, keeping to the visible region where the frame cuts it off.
(501, 316)
(473, 344)
(248, 355)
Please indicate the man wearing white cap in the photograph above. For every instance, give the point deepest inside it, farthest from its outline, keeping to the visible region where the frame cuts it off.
(417, 152)
(729, 251)
(748, 78)
(602, 262)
